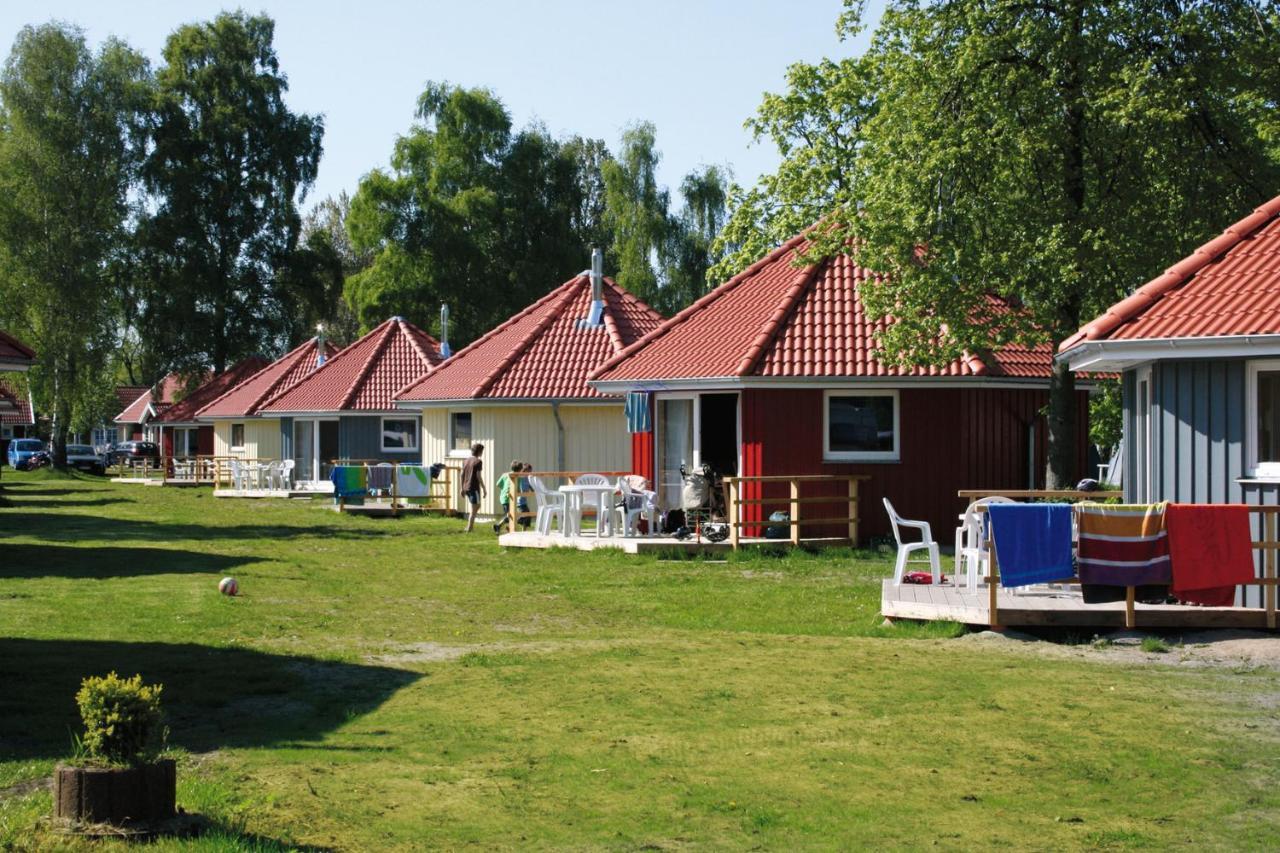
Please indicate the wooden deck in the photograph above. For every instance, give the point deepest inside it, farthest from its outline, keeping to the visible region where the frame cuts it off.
(1051, 607)
(648, 544)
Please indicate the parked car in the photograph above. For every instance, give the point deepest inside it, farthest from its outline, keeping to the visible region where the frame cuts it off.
(21, 451)
(133, 453)
(82, 458)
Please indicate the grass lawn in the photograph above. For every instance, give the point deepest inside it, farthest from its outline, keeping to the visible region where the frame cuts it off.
(398, 684)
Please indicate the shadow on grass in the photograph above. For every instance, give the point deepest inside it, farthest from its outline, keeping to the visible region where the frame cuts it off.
(45, 561)
(76, 527)
(213, 697)
(22, 500)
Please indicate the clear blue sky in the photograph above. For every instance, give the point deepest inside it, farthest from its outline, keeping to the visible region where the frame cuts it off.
(695, 69)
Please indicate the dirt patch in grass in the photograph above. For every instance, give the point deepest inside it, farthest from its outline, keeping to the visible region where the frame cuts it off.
(1229, 649)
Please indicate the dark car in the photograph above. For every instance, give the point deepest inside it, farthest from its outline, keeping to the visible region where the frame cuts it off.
(82, 458)
(133, 453)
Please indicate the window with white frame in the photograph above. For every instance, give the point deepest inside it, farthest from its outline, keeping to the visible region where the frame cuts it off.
(1263, 418)
(860, 426)
(237, 436)
(460, 433)
(399, 434)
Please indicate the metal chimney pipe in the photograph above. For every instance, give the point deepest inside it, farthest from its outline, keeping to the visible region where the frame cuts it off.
(597, 274)
(445, 352)
(319, 344)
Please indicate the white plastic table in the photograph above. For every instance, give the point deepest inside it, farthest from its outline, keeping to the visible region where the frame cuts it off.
(576, 497)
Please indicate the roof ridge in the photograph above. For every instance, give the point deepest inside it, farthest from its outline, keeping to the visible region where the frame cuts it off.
(413, 332)
(717, 292)
(1148, 294)
(611, 324)
(532, 335)
(769, 330)
(257, 400)
(379, 346)
(344, 352)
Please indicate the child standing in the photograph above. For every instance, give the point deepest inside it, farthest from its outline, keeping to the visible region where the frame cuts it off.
(507, 483)
(473, 482)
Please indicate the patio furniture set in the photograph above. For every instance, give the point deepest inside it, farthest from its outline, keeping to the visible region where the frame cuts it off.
(276, 475)
(618, 505)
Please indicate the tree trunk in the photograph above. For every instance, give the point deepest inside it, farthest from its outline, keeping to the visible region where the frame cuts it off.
(1063, 414)
(61, 423)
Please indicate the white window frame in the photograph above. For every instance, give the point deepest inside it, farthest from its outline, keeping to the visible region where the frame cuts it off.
(413, 433)
(231, 439)
(828, 455)
(1257, 470)
(460, 453)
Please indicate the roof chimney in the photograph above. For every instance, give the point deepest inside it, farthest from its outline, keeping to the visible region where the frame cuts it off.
(445, 352)
(319, 344)
(596, 317)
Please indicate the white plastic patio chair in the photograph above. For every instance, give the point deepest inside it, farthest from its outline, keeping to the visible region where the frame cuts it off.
(237, 475)
(906, 549)
(271, 475)
(972, 553)
(636, 502)
(603, 512)
(551, 505)
(286, 474)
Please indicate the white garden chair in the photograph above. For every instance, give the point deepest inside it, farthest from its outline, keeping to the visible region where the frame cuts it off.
(603, 512)
(551, 505)
(237, 475)
(906, 549)
(972, 553)
(636, 502)
(286, 474)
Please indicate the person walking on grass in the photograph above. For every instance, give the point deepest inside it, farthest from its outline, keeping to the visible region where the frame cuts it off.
(508, 483)
(473, 482)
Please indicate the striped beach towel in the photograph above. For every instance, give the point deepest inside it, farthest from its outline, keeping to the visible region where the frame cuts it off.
(1123, 544)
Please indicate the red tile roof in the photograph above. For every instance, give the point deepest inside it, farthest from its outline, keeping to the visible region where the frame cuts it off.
(1228, 286)
(14, 351)
(159, 398)
(777, 320)
(282, 374)
(541, 353)
(365, 375)
(127, 394)
(184, 411)
(15, 407)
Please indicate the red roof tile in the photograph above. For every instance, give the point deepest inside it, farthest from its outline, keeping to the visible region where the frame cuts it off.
(159, 398)
(185, 410)
(15, 407)
(14, 351)
(127, 394)
(777, 320)
(282, 374)
(1228, 286)
(541, 353)
(365, 375)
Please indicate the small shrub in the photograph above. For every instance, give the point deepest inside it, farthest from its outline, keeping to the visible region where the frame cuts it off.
(1154, 645)
(121, 718)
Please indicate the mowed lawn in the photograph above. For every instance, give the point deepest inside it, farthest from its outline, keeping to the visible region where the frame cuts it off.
(386, 684)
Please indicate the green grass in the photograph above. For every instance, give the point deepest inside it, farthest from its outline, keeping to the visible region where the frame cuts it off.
(399, 684)
(1154, 645)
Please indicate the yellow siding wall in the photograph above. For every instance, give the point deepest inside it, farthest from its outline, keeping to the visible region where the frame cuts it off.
(596, 439)
(261, 438)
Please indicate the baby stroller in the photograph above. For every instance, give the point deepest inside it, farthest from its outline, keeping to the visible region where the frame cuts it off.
(703, 505)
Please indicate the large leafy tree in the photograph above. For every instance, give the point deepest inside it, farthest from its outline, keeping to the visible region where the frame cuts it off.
(473, 214)
(690, 250)
(636, 210)
(71, 137)
(228, 165)
(1059, 153)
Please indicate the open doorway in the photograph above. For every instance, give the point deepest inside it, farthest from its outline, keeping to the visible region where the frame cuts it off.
(718, 433)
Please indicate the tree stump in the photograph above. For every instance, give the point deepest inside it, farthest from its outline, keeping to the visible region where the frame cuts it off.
(116, 795)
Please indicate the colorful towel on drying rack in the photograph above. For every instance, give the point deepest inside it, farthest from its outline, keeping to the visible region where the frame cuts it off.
(1211, 549)
(349, 481)
(414, 481)
(1123, 544)
(1032, 542)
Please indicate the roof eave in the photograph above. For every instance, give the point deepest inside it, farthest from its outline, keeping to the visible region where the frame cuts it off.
(1099, 356)
(735, 383)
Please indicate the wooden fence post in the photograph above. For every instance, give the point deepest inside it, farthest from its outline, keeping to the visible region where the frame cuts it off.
(731, 510)
(1130, 617)
(795, 512)
(993, 585)
(853, 511)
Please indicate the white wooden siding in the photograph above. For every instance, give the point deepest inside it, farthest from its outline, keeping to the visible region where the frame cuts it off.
(261, 438)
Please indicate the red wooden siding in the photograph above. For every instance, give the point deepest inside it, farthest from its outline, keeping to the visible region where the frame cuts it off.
(642, 458)
(952, 438)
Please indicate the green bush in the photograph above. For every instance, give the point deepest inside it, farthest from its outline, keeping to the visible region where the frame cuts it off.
(121, 717)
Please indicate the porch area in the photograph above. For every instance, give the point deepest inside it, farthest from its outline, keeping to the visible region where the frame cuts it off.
(651, 544)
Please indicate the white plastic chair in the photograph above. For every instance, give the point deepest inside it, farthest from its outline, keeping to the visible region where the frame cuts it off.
(905, 549)
(971, 541)
(237, 475)
(636, 502)
(286, 474)
(604, 514)
(551, 506)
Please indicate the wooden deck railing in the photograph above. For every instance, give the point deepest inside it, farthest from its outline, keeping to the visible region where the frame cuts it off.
(794, 502)
(439, 497)
(1269, 545)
